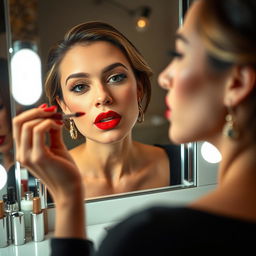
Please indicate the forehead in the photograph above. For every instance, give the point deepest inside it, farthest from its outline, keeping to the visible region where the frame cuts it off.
(189, 26)
(93, 55)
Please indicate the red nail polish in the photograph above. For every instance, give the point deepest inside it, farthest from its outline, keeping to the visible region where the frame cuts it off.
(50, 109)
(59, 122)
(44, 105)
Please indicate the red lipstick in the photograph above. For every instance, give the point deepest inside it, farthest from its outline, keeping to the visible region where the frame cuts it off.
(107, 120)
(168, 110)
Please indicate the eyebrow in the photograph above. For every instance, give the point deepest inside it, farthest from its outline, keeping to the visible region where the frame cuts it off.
(181, 37)
(104, 70)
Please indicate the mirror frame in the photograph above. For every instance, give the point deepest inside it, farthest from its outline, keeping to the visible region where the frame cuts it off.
(188, 151)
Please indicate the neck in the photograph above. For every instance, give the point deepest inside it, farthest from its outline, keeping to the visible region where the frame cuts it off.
(238, 160)
(111, 161)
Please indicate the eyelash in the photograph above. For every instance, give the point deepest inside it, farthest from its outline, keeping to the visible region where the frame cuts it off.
(175, 54)
(75, 86)
(121, 76)
(85, 87)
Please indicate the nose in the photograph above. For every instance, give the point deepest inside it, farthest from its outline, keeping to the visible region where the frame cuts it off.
(103, 98)
(164, 79)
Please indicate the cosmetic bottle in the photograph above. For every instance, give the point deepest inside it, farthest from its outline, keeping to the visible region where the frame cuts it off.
(18, 228)
(37, 217)
(41, 192)
(26, 206)
(3, 227)
(10, 207)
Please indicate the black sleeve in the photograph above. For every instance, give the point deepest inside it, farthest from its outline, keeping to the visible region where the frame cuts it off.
(71, 247)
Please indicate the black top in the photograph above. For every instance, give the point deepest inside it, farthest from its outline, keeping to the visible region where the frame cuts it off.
(174, 154)
(168, 231)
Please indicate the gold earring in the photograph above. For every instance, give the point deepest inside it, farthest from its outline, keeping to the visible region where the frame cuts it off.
(141, 112)
(72, 130)
(230, 129)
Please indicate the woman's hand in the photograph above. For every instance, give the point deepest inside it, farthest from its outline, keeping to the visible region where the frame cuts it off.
(52, 164)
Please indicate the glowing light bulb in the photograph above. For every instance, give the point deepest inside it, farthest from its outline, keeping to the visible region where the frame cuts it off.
(210, 153)
(26, 76)
(3, 176)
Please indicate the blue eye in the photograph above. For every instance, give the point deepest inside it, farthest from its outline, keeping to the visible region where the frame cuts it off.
(117, 78)
(78, 88)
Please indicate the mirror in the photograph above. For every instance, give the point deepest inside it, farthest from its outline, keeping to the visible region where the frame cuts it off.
(45, 22)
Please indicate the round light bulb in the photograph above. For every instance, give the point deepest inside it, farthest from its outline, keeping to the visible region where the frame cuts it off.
(142, 23)
(26, 76)
(3, 176)
(210, 153)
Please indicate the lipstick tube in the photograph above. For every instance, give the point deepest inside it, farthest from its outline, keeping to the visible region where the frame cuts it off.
(42, 193)
(18, 228)
(37, 217)
(3, 226)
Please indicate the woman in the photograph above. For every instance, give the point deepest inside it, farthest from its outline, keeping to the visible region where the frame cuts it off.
(215, 101)
(97, 70)
(6, 141)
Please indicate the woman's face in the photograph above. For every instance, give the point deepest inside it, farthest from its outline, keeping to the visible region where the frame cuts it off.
(195, 92)
(97, 79)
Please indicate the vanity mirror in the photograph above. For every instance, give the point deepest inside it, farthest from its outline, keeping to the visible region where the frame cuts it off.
(38, 24)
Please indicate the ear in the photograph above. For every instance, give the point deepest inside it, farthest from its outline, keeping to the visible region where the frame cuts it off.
(240, 85)
(63, 105)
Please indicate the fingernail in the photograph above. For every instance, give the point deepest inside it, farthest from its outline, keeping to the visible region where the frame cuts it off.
(50, 109)
(44, 105)
(59, 122)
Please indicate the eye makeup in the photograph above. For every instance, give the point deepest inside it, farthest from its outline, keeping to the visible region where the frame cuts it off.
(175, 54)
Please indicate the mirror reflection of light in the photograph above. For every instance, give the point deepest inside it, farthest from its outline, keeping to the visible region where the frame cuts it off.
(3, 176)
(26, 76)
(210, 153)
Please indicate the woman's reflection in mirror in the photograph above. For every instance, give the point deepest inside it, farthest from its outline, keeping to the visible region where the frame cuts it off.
(95, 69)
(6, 140)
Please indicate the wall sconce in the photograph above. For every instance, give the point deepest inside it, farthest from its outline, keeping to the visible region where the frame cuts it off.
(142, 20)
(26, 75)
(142, 14)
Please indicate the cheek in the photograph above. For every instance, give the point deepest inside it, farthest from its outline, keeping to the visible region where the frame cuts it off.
(188, 83)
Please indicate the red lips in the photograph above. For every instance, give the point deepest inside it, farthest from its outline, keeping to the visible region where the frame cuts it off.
(168, 110)
(107, 120)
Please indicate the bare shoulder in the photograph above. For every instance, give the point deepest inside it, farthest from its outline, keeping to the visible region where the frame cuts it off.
(152, 152)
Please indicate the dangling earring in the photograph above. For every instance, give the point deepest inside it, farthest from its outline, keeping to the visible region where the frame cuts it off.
(230, 129)
(72, 130)
(141, 112)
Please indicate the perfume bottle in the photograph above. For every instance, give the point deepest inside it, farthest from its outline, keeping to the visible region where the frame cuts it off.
(11, 206)
(26, 206)
(3, 226)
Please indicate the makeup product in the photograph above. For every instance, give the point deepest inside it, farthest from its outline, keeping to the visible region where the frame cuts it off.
(10, 207)
(41, 192)
(26, 206)
(37, 217)
(18, 228)
(3, 226)
(60, 116)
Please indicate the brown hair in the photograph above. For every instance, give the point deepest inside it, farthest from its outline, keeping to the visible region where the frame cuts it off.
(227, 28)
(89, 32)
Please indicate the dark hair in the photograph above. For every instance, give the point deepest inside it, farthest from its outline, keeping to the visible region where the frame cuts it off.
(90, 32)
